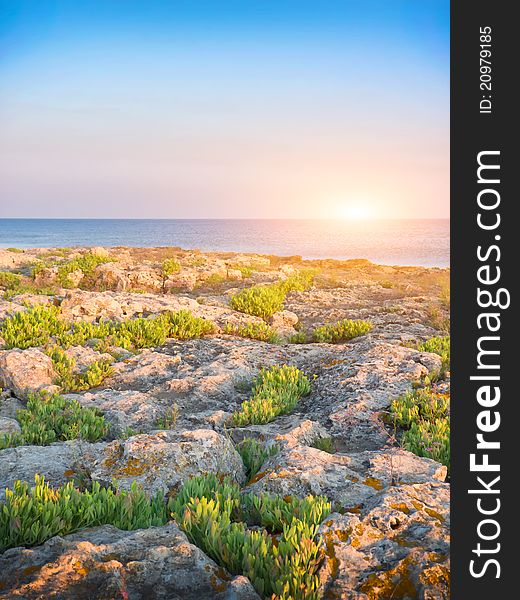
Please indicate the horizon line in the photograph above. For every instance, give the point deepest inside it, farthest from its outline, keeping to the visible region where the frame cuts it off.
(223, 219)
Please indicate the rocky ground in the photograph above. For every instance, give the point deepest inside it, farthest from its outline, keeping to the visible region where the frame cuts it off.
(388, 534)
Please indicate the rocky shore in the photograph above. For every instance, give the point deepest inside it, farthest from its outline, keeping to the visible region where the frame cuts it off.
(167, 411)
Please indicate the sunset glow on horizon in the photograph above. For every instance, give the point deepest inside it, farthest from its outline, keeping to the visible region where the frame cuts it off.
(286, 109)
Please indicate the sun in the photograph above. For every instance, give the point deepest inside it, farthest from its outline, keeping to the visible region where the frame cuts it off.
(355, 212)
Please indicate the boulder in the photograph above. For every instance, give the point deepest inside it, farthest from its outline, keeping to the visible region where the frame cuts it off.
(347, 480)
(158, 563)
(9, 426)
(145, 278)
(127, 409)
(26, 371)
(47, 276)
(111, 276)
(184, 280)
(88, 306)
(234, 274)
(58, 463)
(396, 547)
(84, 356)
(165, 459)
(74, 278)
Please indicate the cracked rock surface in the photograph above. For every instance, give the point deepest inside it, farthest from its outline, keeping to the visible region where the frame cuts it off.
(388, 534)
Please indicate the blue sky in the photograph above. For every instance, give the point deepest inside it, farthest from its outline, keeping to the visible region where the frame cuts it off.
(188, 109)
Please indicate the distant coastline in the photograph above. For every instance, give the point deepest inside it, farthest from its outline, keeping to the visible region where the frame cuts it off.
(412, 242)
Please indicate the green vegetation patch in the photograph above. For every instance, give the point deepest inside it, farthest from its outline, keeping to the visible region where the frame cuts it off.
(265, 300)
(41, 325)
(30, 516)
(33, 327)
(261, 300)
(254, 453)
(14, 284)
(276, 391)
(298, 338)
(71, 381)
(281, 558)
(53, 418)
(9, 280)
(245, 270)
(325, 444)
(271, 540)
(85, 263)
(424, 416)
(169, 267)
(254, 331)
(441, 346)
(342, 331)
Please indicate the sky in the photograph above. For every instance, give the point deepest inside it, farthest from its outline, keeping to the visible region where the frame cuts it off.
(224, 109)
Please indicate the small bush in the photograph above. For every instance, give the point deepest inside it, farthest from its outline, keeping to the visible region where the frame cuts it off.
(298, 338)
(215, 280)
(441, 346)
(342, 331)
(48, 419)
(266, 300)
(40, 325)
(424, 414)
(276, 391)
(299, 282)
(30, 516)
(254, 331)
(325, 444)
(445, 297)
(169, 267)
(209, 509)
(9, 281)
(182, 325)
(71, 381)
(170, 418)
(15, 250)
(260, 301)
(80, 332)
(85, 263)
(254, 454)
(273, 512)
(438, 318)
(33, 327)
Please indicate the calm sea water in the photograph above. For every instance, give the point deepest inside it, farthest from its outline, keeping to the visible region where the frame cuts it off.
(391, 242)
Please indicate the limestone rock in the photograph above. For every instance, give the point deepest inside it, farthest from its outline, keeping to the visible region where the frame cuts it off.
(127, 409)
(47, 276)
(234, 274)
(104, 562)
(398, 546)
(284, 323)
(9, 426)
(347, 480)
(58, 463)
(111, 276)
(184, 280)
(84, 356)
(163, 460)
(25, 371)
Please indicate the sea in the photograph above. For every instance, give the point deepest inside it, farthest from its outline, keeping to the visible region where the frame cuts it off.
(406, 242)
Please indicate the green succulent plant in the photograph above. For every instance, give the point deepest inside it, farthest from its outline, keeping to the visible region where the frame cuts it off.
(275, 391)
(342, 331)
(52, 418)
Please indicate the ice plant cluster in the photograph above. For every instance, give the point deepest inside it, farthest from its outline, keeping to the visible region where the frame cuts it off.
(276, 391)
